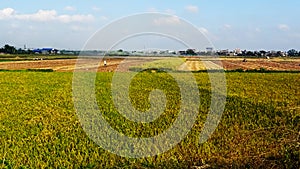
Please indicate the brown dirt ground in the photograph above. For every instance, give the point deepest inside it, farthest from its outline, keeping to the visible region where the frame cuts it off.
(237, 63)
(122, 64)
(270, 64)
(68, 65)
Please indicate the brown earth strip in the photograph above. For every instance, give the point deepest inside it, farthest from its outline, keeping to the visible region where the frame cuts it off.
(123, 64)
(257, 64)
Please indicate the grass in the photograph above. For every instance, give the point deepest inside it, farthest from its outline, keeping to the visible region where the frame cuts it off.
(259, 128)
(169, 64)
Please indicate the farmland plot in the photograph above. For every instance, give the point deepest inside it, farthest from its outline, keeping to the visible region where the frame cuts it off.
(259, 128)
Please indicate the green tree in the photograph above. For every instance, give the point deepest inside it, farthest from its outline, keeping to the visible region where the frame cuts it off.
(292, 52)
(191, 52)
(9, 49)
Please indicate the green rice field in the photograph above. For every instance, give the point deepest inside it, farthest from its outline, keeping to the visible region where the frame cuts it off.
(260, 126)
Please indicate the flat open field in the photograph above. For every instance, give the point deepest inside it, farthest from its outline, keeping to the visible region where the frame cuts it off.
(39, 127)
(259, 128)
(191, 64)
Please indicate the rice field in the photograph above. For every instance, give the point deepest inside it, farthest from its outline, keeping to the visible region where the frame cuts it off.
(260, 126)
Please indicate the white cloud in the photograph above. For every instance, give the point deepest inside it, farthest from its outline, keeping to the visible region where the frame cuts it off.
(167, 20)
(70, 8)
(192, 8)
(203, 30)
(283, 27)
(227, 26)
(41, 15)
(6, 13)
(44, 15)
(75, 18)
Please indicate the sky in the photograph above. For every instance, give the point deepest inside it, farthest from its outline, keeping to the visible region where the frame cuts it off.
(228, 24)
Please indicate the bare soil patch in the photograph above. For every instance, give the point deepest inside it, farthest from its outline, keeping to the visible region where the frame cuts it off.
(123, 64)
(268, 64)
(282, 64)
(68, 65)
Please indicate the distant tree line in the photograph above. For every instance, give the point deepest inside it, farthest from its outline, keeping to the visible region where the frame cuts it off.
(244, 53)
(293, 52)
(261, 53)
(7, 49)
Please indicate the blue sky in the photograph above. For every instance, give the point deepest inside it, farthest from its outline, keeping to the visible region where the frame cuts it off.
(229, 24)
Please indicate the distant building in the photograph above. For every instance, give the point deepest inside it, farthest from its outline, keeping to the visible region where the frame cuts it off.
(45, 51)
(237, 51)
(209, 49)
(182, 52)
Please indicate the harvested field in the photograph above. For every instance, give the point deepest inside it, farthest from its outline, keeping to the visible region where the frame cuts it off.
(40, 127)
(195, 64)
(68, 65)
(276, 64)
(123, 64)
(59, 65)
